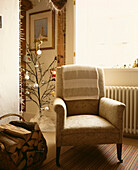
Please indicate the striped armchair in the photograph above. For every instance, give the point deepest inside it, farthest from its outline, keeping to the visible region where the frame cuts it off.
(86, 121)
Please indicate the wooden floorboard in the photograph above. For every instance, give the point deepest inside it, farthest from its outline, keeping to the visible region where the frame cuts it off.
(51, 142)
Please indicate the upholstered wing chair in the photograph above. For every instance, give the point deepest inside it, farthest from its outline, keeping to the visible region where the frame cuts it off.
(94, 120)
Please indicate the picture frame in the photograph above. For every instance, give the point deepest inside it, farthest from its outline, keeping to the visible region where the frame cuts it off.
(0, 21)
(42, 27)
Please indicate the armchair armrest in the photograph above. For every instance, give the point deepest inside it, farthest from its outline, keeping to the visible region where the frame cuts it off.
(60, 109)
(112, 110)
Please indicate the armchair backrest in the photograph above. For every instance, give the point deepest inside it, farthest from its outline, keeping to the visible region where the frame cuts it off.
(88, 106)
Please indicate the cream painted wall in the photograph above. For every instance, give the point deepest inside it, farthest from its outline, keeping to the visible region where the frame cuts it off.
(47, 55)
(121, 77)
(69, 32)
(113, 76)
(9, 57)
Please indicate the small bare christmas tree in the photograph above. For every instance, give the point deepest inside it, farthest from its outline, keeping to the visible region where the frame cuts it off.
(39, 84)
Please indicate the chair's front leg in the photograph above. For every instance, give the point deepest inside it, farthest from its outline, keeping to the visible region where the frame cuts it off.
(119, 152)
(57, 156)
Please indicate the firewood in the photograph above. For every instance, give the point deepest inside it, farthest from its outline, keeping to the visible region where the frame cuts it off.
(23, 144)
(29, 161)
(20, 157)
(31, 142)
(20, 142)
(31, 148)
(5, 162)
(9, 144)
(15, 131)
(26, 125)
(30, 154)
(22, 164)
(39, 136)
(25, 148)
(2, 147)
(15, 157)
(36, 143)
(40, 146)
(37, 157)
(35, 135)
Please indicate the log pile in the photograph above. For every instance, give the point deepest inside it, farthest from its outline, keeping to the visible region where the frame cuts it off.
(22, 145)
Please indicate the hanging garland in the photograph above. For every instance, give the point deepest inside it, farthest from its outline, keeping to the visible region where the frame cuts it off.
(58, 4)
(39, 84)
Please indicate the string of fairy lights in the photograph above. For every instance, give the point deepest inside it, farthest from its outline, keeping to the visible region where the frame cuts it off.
(37, 83)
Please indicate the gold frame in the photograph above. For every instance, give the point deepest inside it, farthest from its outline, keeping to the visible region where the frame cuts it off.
(0, 21)
(50, 42)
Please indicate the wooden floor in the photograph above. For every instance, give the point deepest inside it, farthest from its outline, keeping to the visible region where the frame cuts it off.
(51, 142)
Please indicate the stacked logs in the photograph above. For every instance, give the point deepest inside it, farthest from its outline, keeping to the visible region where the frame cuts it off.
(23, 144)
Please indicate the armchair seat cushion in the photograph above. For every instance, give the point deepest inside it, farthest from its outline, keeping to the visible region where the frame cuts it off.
(81, 124)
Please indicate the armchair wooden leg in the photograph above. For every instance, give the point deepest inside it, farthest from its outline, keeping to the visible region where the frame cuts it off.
(119, 152)
(57, 156)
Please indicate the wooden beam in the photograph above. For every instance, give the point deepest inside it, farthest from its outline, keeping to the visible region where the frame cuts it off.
(26, 5)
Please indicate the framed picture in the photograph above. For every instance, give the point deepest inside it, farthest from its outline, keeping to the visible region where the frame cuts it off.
(0, 21)
(42, 28)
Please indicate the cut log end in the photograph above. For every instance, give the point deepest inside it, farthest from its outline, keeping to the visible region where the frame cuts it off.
(24, 144)
(2, 147)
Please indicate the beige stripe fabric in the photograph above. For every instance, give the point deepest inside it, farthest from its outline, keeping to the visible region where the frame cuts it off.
(69, 84)
(80, 82)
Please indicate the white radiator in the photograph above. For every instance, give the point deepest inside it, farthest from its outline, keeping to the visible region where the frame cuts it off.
(129, 96)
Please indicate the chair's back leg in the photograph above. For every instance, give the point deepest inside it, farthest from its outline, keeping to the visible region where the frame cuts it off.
(119, 152)
(57, 156)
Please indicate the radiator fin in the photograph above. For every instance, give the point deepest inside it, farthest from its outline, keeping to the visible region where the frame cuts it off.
(129, 96)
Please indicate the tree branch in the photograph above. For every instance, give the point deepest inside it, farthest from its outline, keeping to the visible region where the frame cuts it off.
(32, 91)
(30, 68)
(48, 69)
(32, 100)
